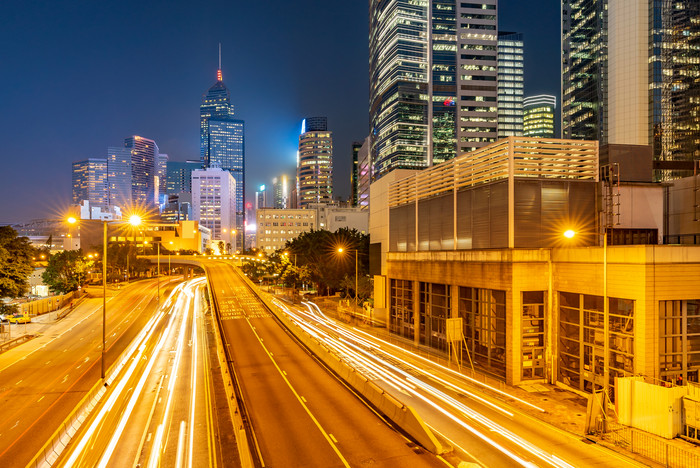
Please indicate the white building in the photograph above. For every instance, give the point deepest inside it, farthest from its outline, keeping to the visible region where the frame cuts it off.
(214, 203)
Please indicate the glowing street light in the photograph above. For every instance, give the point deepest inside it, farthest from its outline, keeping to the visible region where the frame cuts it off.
(341, 250)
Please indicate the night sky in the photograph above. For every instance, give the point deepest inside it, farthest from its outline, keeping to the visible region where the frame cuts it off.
(78, 76)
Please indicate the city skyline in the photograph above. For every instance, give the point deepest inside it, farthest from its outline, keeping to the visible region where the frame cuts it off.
(90, 98)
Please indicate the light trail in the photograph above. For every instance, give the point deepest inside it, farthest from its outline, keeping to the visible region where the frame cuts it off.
(375, 358)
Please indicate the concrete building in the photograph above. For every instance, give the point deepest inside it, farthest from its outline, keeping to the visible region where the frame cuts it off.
(179, 176)
(538, 116)
(332, 217)
(433, 81)
(476, 244)
(315, 163)
(277, 226)
(511, 67)
(214, 203)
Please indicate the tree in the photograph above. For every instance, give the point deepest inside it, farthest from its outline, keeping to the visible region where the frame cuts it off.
(221, 247)
(15, 263)
(66, 271)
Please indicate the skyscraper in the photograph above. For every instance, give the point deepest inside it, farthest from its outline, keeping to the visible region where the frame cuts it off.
(162, 170)
(433, 83)
(119, 176)
(222, 141)
(538, 117)
(280, 192)
(179, 176)
(631, 75)
(315, 163)
(90, 182)
(355, 174)
(144, 169)
(510, 84)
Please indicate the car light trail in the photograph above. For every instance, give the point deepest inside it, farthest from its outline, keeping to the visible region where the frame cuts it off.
(375, 358)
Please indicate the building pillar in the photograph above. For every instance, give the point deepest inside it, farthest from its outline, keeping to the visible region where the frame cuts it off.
(416, 312)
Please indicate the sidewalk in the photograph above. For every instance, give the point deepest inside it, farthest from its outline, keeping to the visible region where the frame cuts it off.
(563, 408)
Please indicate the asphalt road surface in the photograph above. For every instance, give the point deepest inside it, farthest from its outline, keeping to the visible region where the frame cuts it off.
(301, 414)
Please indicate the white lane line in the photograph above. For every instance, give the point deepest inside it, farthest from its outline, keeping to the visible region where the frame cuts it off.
(40, 399)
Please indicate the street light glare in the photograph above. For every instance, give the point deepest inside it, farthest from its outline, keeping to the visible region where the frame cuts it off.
(72, 220)
(569, 233)
(340, 249)
(135, 220)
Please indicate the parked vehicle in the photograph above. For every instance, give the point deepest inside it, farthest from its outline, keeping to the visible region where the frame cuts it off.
(20, 318)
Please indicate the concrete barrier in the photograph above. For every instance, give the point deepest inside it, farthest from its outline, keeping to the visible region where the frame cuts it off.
(402, 415)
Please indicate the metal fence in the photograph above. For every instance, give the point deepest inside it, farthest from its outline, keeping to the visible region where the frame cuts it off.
(650, 446)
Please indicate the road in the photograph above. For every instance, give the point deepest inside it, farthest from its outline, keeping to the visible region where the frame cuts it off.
(301, 414)
(482, 429)
(158, 410)
(43, 379)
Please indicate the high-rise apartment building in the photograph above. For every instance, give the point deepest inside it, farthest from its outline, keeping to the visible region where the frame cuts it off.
(510, 84)
(179, 176)
(631, 75)
(364, 176)
(315, 163)
(261, 198)
(538, 116)
(222, 141)
(90, 182)
(214, 203)
(433, 81)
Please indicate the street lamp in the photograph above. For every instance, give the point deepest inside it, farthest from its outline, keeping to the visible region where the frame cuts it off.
(134, 220)
(341, 250)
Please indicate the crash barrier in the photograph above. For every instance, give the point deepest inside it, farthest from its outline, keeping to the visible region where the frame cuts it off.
(7, 345)
(245, 438)
(403, 416)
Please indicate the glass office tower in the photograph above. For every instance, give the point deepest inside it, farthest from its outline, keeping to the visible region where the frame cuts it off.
(90, 182)
(538, 116)
(315, 163)
(222, 141)
(432, 72)
(510, 84)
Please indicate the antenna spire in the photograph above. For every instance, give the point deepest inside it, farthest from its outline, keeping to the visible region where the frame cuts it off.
(219, 75)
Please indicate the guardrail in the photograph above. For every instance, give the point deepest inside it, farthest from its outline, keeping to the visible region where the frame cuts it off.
(402, 415)
(7, 345)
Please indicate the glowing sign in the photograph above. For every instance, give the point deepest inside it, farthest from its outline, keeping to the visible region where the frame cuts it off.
(450, 101)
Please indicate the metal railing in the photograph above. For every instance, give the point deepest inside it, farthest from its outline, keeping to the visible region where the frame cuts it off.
(650, 446)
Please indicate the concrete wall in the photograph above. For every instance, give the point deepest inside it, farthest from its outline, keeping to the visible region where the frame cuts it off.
(683, 214)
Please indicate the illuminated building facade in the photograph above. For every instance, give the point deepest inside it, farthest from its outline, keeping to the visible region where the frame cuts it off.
(510, 84)
(355, 174)
(119, 176)
(487, 250)
(222, 140)
(538, 116)
(90, 182)
(179, 176)
(433, 81)
(315, 163)
(280, 192)
(631, 75)
(144, 170)
(214, 203)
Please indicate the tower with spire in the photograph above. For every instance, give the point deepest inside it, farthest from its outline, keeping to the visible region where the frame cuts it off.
(222, 142)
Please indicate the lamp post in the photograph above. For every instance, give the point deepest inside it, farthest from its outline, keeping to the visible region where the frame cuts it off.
(134, 220)
(341, 250)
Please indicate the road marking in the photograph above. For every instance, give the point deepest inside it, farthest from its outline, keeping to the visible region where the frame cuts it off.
(65, 378)
(15, 424)
(40, 399)
(303, 399)
(333, 438)
(19, 382)
(148, 439)
(47, 363)
(300, 398)
(284, 372)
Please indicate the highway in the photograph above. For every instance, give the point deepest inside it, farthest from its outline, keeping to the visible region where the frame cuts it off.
(42, 380)
(301, 414)
(481, 429)
(158, 410)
